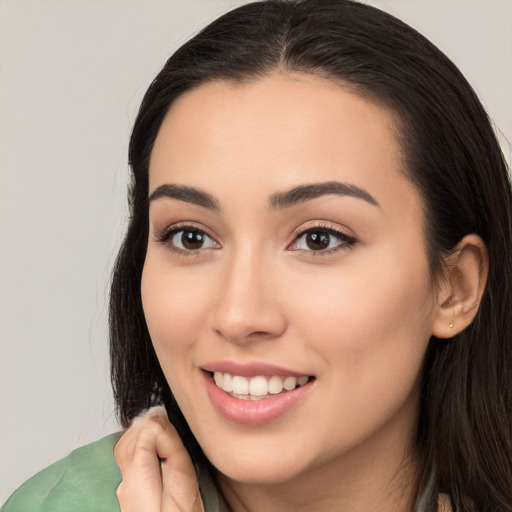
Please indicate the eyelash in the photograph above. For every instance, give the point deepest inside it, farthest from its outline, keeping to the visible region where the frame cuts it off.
(346, 241)
(166, 238)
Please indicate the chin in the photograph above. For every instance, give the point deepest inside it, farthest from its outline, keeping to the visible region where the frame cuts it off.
(257, 465)
(258, 474)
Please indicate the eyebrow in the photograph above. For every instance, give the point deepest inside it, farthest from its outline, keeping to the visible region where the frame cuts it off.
(304, 193)
(187, 194)
(277, 201)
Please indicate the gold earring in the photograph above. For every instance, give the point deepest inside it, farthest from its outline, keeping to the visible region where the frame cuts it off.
(452, 323)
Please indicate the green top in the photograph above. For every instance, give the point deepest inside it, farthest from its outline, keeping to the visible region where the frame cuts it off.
(84, 481)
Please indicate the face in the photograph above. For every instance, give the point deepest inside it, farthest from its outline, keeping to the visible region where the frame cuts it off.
(286, 248)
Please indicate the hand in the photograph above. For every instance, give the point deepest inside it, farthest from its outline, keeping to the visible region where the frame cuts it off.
(158, 474)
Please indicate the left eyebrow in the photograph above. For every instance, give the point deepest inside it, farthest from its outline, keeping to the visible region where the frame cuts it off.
(186, 194)
(304, 193)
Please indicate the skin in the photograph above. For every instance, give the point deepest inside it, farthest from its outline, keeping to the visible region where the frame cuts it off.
(357, 316)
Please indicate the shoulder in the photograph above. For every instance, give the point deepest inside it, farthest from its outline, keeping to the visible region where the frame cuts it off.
(84, 481)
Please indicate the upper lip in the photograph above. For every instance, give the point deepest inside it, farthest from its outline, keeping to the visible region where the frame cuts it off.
(251, 369)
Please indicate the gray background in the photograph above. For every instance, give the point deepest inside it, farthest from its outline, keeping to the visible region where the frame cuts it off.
(71, 76)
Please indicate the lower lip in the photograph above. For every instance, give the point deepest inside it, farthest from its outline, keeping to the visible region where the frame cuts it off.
(253, 412)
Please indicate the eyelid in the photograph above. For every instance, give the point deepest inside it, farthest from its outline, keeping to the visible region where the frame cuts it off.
(348, 240)
(164, 233)
(164, 236)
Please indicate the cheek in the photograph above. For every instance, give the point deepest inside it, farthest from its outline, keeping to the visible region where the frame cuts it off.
(368, 318)
(370, 330)
(174, 307)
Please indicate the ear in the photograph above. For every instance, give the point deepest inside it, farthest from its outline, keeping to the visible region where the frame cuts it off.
(461, 288)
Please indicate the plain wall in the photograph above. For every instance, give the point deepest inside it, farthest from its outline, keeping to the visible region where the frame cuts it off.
(72, 74)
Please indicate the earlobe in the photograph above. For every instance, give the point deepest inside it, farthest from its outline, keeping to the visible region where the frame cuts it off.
(462, 288)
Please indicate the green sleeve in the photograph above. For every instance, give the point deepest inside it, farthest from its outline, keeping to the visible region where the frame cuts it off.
(84, 481)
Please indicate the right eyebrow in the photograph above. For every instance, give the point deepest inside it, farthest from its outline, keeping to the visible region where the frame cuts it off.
(304, 193)
(186, 194)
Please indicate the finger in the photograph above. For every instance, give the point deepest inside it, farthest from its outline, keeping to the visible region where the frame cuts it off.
(180, 490)
(158, 473)
(137, 457)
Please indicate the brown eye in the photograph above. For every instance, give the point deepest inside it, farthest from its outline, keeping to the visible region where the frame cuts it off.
(318, 240)
(189, 240)
(322, 240)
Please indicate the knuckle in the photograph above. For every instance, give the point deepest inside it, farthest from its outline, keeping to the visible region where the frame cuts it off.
(122, 450)
(149, 415)
(120, 491)
(118, 450)
(152, 428)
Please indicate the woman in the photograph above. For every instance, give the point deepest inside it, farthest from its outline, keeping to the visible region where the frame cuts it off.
(318, 267)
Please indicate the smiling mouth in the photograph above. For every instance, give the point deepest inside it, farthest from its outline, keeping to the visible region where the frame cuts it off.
(259, 387)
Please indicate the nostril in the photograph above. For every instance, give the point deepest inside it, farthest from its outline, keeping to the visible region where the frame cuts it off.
(241, 337)
(260, 334)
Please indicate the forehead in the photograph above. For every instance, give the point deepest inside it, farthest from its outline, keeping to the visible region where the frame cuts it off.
(276, 132)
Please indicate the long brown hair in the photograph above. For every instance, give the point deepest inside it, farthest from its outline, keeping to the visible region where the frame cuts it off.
(453, 158)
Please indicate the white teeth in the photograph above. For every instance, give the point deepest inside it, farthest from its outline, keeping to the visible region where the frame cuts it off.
(275, 385)
(240, 385)
(219, 379)
(227, 384)
(301, 380)
(289, 383)
(258, 387)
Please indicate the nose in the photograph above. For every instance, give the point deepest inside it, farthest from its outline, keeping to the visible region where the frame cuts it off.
(249, 302)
